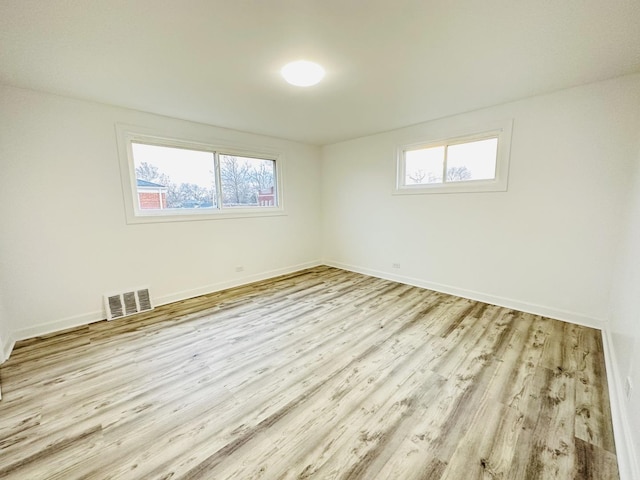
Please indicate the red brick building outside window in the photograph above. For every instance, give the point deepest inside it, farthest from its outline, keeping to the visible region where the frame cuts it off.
(151, 196)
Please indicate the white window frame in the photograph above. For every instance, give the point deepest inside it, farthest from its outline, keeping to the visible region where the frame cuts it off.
(127, 134)
(501, 131)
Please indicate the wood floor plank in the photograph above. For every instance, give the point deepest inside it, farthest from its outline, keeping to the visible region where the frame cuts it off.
(322, 373)
(593, 463)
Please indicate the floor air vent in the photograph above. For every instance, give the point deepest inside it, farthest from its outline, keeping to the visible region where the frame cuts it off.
(122, 304)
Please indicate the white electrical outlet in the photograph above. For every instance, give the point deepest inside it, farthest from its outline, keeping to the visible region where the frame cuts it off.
(239, 268)
(628, 388)
(395, 265)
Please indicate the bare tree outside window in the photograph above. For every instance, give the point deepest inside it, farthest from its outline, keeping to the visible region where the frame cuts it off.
(460, 162)
(172, 178)
(245, 181)
(458, 174)
(183, 195)
(417, 176)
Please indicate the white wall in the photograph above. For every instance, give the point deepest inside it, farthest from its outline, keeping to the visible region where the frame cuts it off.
(624, 328)
(64, 237)
(547, 245)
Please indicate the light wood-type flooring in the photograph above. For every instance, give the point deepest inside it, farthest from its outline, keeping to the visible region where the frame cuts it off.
(321, 374)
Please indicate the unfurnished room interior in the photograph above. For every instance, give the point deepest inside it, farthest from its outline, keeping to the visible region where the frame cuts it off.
(319, 239)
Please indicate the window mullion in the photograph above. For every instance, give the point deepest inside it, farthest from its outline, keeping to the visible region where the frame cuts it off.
(216, 166)
(444, 164)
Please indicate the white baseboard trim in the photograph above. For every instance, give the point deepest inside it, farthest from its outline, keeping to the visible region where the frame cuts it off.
(216, 287)
(58, 325)
(625, 451)
(568, 316)
(96, 316)
(6, 348)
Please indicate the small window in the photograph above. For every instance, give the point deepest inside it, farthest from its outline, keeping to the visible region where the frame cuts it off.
(173, 179)
(471, 163)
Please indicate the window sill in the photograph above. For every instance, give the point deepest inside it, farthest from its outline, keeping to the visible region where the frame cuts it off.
(462, 187)
(190, 216)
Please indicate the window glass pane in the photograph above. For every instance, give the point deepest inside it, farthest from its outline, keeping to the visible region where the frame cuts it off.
(472, 160)
(173, 178)
(247, 182)
(424, 166)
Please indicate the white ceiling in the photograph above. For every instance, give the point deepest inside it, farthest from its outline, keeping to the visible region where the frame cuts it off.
(389, 63)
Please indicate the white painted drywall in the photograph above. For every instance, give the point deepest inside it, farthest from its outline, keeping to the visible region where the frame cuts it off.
(624, 327)
(547, 245)
(65, 240)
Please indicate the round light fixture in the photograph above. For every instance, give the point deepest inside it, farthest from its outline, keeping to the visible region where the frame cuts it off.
(302, 73)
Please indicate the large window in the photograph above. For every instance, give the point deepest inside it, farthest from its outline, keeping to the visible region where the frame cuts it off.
(172, 179)
(477, 162)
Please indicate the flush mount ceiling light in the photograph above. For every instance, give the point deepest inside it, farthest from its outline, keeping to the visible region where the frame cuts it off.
(302, 73)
